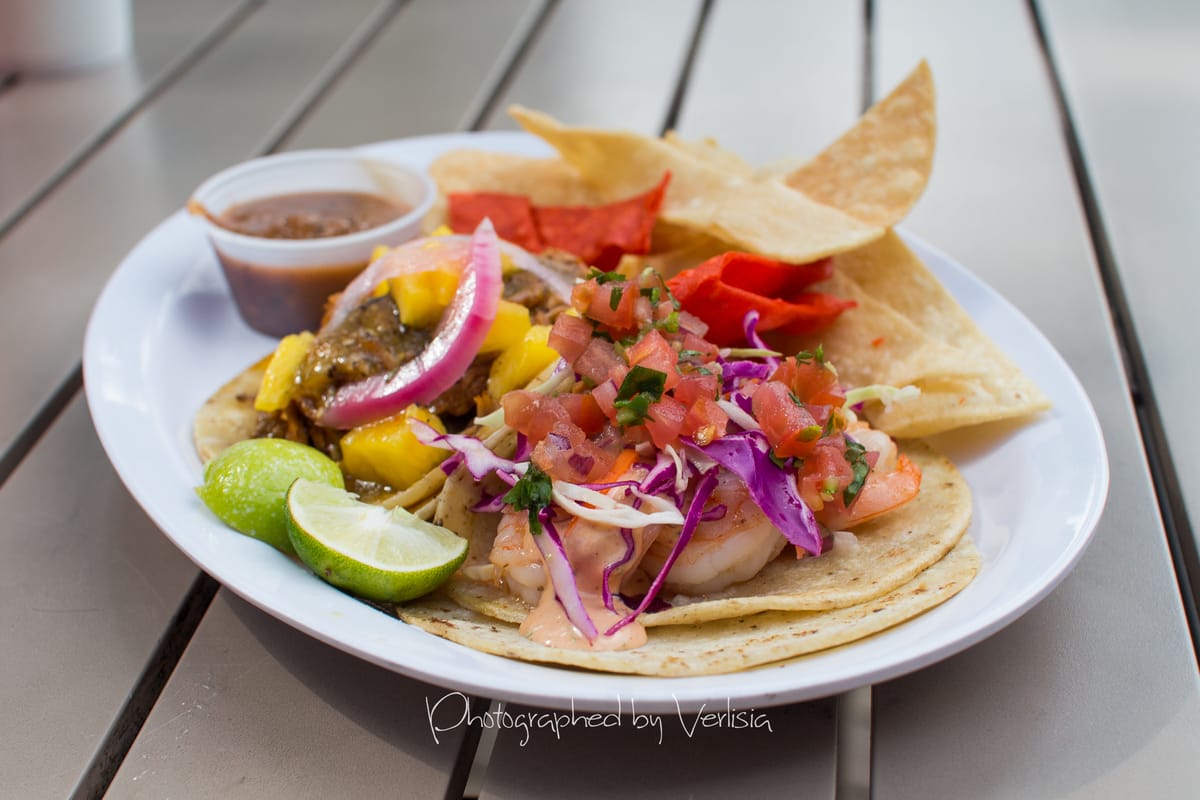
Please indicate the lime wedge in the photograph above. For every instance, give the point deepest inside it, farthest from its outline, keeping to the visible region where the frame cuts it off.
(245, 486)
(381, 554)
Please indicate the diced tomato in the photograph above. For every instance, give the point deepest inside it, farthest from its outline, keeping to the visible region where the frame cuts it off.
(707, 350)
(880, 494)
(605, 395)
(621, 318)
(599, 362)
(789, 427)
(570, 336)
(694, 386)
(533, 414)
(653, 351)
(664, 421)
(567, 454)
(825, 473)
(584, 412)
(812, 382)
(705, 420)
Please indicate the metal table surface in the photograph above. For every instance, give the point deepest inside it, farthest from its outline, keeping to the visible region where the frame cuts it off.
(1064, 178)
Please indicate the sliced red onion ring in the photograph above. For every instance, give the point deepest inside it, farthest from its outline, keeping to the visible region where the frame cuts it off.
(562, 576)
(455, 344)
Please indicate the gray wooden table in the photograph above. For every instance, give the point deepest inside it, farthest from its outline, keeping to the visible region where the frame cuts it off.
(1065, 178)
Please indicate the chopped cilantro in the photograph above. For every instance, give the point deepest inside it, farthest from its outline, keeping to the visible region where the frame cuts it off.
(856, 457)
(532, 493)
(614, 298)
(685, 353)
(641, 388)
(602, 277)
(816, 356)
(652, 292)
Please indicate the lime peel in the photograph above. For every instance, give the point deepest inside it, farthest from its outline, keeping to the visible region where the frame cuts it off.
(380, 554)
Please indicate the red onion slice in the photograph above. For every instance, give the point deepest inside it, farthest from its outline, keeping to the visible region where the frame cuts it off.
(455, 344)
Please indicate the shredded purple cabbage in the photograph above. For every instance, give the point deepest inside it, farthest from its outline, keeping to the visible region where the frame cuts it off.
(750, 326)
(562, 576)
(774, 490)
(744, 402)
(732, 371)
(715, 514)
(489, 505)
(523, 450)
(661, 475)
(704, 488)
(630, 548)
(479, 460)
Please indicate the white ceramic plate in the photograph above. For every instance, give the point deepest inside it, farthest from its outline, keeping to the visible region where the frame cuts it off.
(164, 335)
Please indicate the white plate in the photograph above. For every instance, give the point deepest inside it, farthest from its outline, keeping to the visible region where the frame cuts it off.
(164, 335)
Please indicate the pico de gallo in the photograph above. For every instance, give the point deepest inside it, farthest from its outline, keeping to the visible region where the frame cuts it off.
(649, 443)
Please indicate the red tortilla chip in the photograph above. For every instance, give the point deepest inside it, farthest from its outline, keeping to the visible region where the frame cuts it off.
(600, 235)
(512, 215)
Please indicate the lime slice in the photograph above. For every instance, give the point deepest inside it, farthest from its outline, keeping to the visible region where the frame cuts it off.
(370, 551)
(246, 485)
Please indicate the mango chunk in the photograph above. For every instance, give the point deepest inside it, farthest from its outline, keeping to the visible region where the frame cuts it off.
(423, 296)
(280, 377)
(508, 328)
(520, 363)
(388, 452)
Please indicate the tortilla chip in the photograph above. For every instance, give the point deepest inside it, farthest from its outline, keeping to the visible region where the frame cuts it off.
(889, 552)
(714, 647)
(228, 416)
(986, 386)
(545, 181)
(710, 152)
(878, 169)
(762, 216)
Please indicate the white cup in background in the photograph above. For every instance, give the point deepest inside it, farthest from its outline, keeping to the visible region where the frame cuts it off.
(62, 35)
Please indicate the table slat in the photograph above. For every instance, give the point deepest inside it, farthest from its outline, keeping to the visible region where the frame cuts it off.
(799, 91)
(46, 121)
(257, 709)
(1094, 691)
(1132, 80)
(90, 586)
(612, 64)
(777, 752)
(215, 116)
(421, 76)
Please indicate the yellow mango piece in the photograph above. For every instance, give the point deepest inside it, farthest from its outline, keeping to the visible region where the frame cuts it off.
(519, 364)
(423, 296)
(387, 452)
(379, 252)
(508, 328)
(442, 230)
(280, 376)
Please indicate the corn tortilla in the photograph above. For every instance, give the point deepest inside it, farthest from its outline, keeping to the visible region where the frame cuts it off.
(711, 648)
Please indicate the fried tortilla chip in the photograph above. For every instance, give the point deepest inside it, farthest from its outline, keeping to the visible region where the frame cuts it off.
(868, 345)
(876, 171)
(889, 551)
(722, 646)
(763, 216)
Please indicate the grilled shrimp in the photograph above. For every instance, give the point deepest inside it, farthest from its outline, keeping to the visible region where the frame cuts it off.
(518, 561)
(721, 552)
